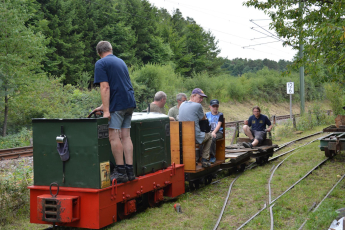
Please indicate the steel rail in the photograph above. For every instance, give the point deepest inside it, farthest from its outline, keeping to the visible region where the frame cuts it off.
(252, 217)
(329, 192)
(273, 173)
(225, 203)
(271, 215)
(281, 194)
(273, 158)
(282, 117)
(253, 165)
(307, 174)
(269, 181)
(290, 142)
(6, 154)
(277, 118)
(249, 167)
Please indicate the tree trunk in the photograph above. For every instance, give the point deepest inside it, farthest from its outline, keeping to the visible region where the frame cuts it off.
(4, 127)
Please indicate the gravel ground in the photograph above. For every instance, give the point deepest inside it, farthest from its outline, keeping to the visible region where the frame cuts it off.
(11, 165)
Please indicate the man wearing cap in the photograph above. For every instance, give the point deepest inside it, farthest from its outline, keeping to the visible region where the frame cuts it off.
(192, 111)
(174, 111)
(216, 120)
(258, 122)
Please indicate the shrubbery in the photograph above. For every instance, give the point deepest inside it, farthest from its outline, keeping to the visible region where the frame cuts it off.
(52, 99)
(264, 85)
(14, 195)
(16, 140)
(314, 116)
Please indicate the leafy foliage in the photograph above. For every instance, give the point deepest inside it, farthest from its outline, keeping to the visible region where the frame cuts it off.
(264, 85)
(139, 33)
(21, 52)
(14, 195)
(19, 139)
(239, 66)
(319, 24)
(335, 94)
(152, 78)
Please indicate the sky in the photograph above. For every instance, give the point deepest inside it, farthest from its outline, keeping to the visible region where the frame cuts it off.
(229, 21)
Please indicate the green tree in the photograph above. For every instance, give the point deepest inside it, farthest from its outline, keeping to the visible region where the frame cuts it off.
(21, 51)
(321, 27)
(66, 56)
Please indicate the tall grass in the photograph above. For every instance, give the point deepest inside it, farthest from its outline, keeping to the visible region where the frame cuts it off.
(14, 195)
(265, 85)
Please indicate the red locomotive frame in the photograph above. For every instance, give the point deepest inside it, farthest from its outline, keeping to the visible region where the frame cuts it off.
(96, 208)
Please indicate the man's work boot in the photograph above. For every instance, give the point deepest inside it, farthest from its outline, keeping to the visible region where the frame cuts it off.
(205, 163)
(120, 175)
(247, 145)
(130, 172)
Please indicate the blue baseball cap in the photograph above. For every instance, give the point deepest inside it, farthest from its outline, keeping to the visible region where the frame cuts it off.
(199, 91)
(214, 102)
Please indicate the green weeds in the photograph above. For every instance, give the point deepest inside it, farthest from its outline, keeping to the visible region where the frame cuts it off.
(14, 195)
(16, 140)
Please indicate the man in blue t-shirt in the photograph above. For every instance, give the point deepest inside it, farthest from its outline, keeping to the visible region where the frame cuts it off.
(118, 104)
(258, 122)
(216, 120)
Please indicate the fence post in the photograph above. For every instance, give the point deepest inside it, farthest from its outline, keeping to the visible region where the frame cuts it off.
(274, 119)
(236, 134)
(310, 119)
(238, 129)
(294, 121)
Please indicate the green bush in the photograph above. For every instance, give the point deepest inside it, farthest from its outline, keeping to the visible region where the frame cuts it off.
(264, 85)
(16, 140)
(152, 78)
(335, 94)
(14, 195)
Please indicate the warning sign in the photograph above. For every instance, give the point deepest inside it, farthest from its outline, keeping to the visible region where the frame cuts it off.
(105, 174)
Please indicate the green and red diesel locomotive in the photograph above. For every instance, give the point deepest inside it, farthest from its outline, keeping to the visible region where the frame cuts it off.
(75, 190)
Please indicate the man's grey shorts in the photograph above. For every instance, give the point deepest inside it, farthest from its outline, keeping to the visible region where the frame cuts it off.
(121, 119)
(259, 135)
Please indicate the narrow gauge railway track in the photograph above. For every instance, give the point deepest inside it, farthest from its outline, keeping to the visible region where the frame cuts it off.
(7, 154)
(270, 206)
(277, 118)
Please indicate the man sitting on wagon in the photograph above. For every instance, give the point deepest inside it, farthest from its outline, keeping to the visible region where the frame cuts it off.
(174, 111)
(192, 111)
(158, 104)
(257, 133)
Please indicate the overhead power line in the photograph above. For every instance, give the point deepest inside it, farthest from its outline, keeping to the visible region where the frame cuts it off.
(259, 44)
(266, 30)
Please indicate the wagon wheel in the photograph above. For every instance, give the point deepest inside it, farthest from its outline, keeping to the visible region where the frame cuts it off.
(208, 179)
(328, 152)
(151, 199)
(121, 211)
(241, 167)
(258, 160)
(193, 185)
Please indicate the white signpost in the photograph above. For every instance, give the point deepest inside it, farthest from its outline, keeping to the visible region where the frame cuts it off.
(290, 90)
